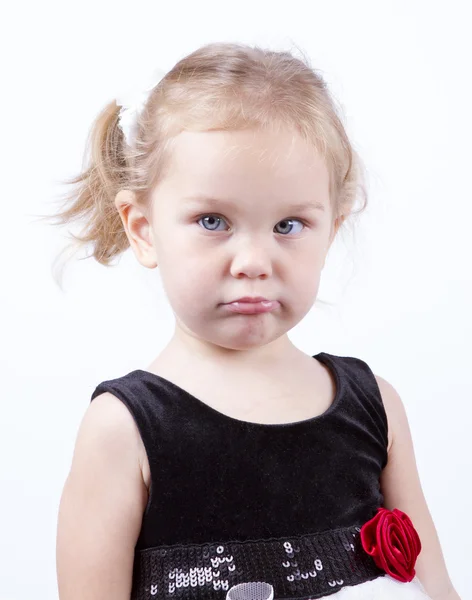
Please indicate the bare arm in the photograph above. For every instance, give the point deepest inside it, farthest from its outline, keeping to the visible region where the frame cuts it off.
(101, 507)
(401, 487)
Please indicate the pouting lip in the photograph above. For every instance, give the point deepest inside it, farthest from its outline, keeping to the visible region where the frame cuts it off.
(249, 299)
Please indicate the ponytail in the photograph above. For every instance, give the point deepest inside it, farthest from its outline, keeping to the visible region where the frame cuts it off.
(92, 199)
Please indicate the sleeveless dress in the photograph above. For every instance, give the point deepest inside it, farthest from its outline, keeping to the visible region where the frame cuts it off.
(233, 501)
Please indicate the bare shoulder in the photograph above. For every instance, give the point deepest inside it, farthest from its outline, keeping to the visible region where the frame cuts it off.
(108, 416)
(109, 433)
(401, 487)
(392, 403)
(394, 407)
(101, 507)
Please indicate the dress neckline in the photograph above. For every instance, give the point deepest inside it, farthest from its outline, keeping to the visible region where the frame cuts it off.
(322, 357)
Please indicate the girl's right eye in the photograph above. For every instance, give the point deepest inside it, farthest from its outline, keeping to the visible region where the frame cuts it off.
(212, 221)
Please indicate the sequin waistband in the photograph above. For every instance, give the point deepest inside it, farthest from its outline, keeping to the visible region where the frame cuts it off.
(298, 567)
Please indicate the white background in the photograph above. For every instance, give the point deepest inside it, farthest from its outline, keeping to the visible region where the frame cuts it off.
(401, 286)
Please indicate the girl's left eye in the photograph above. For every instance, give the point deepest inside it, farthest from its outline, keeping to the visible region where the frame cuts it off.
(211, 222)
(288, 225)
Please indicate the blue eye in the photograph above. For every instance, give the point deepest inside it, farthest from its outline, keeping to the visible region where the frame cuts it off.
(215, 223)
(212, 220)
(289, 223)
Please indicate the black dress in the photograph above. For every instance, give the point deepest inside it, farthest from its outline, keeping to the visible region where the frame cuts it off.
(233, 501)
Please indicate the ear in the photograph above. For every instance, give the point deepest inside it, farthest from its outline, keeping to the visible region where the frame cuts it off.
(336, 224)
(137, 227)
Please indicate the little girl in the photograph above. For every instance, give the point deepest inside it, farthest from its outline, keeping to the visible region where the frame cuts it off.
(235, 465)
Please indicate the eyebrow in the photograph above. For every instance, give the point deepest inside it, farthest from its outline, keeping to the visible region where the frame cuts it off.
(301, 206)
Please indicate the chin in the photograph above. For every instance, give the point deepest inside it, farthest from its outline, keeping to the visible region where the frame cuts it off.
(246, 338)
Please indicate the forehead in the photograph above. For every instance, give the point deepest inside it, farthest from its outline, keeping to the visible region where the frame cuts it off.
(253, 151)
(253, 167)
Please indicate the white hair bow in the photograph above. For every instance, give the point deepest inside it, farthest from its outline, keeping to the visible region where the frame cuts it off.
(132, 102)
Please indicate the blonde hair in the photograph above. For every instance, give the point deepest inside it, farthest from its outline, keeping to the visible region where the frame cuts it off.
(220, 86)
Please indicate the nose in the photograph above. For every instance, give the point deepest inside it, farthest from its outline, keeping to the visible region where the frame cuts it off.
(251, 260)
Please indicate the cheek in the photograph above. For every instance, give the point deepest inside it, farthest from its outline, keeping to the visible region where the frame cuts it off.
(308, 264)
(303, 278)
(189, 276)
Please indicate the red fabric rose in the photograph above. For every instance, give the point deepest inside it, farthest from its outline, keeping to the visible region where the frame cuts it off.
(393, 542)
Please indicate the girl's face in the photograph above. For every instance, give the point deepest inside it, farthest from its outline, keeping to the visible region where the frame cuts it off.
(241, 213)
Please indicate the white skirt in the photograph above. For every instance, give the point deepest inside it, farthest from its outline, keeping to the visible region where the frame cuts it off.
(382, 588)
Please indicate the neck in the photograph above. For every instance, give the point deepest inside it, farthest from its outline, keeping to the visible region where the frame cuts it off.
(188, 349)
